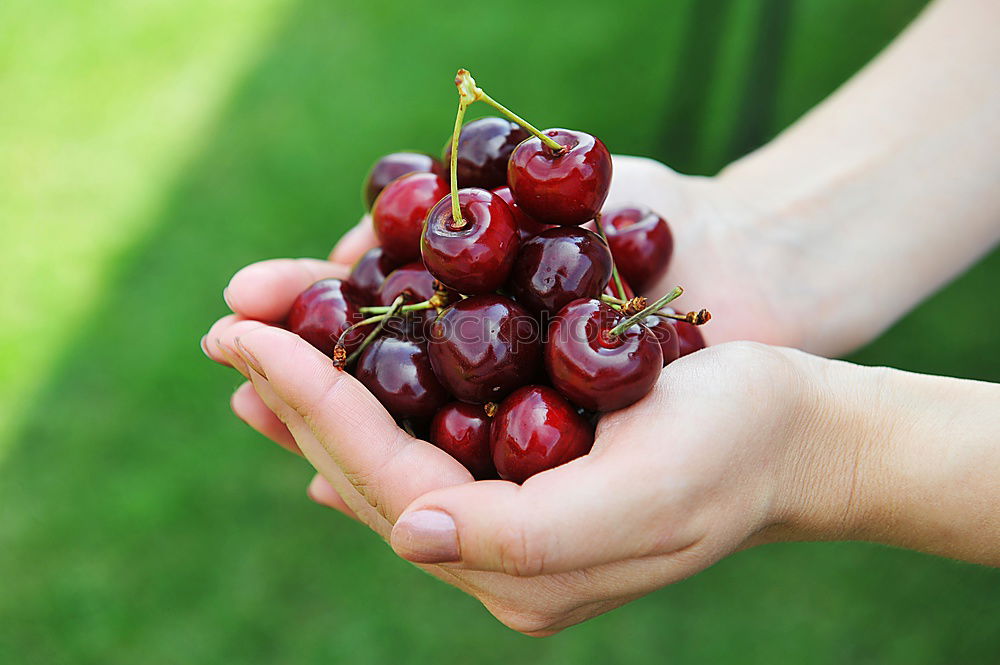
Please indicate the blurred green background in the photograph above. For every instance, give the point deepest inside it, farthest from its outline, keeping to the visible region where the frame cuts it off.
(150, 148)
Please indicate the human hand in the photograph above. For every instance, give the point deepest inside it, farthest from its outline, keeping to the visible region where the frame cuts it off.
(710, 462)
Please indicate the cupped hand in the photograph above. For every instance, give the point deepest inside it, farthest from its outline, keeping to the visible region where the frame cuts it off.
(700, 468)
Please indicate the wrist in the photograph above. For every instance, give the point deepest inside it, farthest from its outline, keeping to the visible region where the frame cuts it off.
(895, 458)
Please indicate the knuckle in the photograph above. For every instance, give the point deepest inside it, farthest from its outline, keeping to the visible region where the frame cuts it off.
(519, 553)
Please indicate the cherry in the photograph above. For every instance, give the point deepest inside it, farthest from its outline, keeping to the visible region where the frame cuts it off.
(641, 243)
(484, 147)
(559, 266)
(473, 254)
(398, 373)
(535, 429)
(323, 311)
(666, 334)
(568, 187)
(370, 271)
(390, 167)
(417, 284)
(689, 338)
(596, 368)
(399, 212)
(483, 347)
(463, 431)
(527, 227)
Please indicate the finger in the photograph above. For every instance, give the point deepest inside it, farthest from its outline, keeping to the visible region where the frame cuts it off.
(266, 290)
(250, 408)
(322, 492)
(354, 432)
(355, 242)
(212, 343)
(600, 508)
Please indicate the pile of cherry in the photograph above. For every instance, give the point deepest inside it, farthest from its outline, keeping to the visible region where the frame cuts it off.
(491, 320)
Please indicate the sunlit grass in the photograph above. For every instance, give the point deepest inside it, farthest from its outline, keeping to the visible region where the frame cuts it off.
(102, 104)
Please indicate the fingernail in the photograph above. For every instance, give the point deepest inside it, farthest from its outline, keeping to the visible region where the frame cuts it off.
(204, 345)
(426, 536)
(225, 297)
(251, 361)
(233, 358)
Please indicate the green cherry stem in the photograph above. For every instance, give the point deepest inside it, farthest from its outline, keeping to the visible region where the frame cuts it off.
(405, 309)
(381, 319)
(614, 266)
(463, 103)
(639, 316)
(465, 82)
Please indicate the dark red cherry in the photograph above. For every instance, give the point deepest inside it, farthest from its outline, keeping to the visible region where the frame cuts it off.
(370, 271)
(641, 243)
(399, 212)
(689, 337)
(665, 333)
(413, 281)
(559, 266)
(527, 227)
(463, 431)
(567, 188)
(390, 167)
(484, 146)
(483, 347)
(536, 429)
(325, 310)
(398, 373)
(476, 255)
(597, 370)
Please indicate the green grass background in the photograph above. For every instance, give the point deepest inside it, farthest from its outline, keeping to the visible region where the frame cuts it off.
(150, 148)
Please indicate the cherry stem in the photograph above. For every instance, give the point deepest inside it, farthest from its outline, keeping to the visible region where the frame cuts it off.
(614, 266)
(456, 209)
(467, 84)
(405, 309)
(698, 318)
(639, 316)
(381, 319)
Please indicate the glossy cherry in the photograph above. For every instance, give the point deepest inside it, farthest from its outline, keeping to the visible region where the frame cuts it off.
(413, 281)
(484, 147)
(483, 347)
(370, 271)
(566, 188)
(527, 226)
(398, 373)
(323, 311)
(399, 212)
(641, 243)
(689, 338)
(666, 334)
(536, 429)
(390, 167)
(473, 255)
(463, 431)
(594, 369)
(559, 266)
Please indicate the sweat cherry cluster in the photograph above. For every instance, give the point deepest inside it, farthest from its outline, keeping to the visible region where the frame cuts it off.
(491, 319)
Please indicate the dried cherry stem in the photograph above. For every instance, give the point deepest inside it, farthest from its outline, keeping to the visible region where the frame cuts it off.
(698, 318)
(614, 267)
(639, 316)
(339, 357)
(467, 85)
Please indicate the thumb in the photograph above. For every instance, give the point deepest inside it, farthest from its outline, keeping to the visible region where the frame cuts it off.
(591, 511)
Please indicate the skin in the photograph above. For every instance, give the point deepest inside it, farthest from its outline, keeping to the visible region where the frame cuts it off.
(765, 443)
